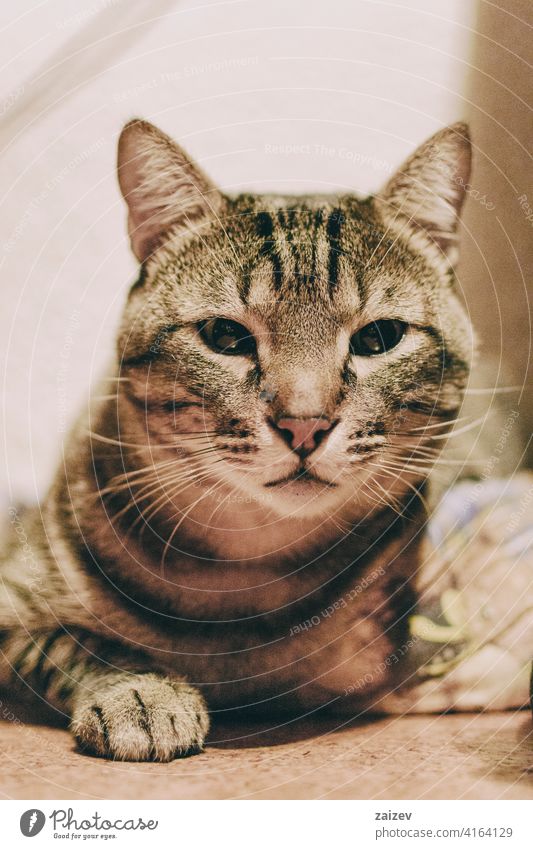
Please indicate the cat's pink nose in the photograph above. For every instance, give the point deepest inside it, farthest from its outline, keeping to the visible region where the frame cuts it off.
(303, 435)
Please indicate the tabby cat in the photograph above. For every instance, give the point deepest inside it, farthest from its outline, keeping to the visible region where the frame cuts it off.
(238, 518)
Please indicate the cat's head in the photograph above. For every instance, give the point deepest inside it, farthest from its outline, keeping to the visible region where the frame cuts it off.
(305, 352)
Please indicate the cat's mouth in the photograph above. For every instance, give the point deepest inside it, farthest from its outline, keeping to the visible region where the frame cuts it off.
(304, 477)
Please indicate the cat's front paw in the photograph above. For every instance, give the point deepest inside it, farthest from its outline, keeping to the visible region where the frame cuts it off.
(140, 718)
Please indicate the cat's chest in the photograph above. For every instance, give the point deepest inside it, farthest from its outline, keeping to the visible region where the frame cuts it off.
(336, 650)
(308, 636)
(319, 660)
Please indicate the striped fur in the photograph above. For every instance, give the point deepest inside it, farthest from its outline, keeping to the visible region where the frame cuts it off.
(173, 543)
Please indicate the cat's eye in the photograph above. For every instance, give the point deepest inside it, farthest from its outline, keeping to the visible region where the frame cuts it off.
(227, 337)
(377, 337)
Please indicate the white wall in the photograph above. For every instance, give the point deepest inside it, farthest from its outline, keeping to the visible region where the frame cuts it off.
(298, 96)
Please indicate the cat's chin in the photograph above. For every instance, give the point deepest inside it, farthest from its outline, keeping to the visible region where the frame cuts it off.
(298, 494)
(303, 498)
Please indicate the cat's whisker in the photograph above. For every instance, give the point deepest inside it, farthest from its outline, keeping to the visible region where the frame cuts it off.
(185, 433)
(210, 449)
(156, 506)
(188, 434)
(172, 471)
(148, 487)
(433, 458)
(147, 514)
(122, 482)
(188, 477)
(174, 474)
(343, 527)
(424, 467)
(108, 440)
(142, 446)
(432, 426)
(480, 420)
(395, 469)
(416, 491)
(496, 390)
(185, 514)
(389, 497)
(411, 485)
(160, 464)
(378, 498)
(192, 437)
(219, 505)
(136, 502)
(131, 473)
(232, 492)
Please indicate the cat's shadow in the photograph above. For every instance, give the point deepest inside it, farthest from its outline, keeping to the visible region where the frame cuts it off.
(240, 731)
(29, 710)
(245, 732)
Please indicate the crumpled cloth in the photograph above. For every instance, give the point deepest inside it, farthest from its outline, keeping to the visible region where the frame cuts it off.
(471, 633)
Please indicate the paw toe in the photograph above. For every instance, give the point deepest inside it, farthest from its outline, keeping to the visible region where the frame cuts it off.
(151, 718)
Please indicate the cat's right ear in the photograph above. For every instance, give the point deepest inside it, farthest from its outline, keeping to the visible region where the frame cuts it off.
(162, 187)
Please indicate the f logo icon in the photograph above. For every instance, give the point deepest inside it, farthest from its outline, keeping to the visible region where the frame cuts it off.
(32, 822)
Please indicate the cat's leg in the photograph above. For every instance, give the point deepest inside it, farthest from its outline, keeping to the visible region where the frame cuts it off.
(116, 706)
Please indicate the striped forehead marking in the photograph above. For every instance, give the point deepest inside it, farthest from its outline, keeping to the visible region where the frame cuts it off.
(281, 237)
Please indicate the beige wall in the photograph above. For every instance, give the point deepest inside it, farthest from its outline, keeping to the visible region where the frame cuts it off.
(244, 86)
(299, 96)
(497, 256)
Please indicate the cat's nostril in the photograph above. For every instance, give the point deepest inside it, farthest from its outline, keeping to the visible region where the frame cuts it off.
(303, 435)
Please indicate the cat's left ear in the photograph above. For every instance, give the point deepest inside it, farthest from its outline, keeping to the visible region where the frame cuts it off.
(162, 187)
(427, 193)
